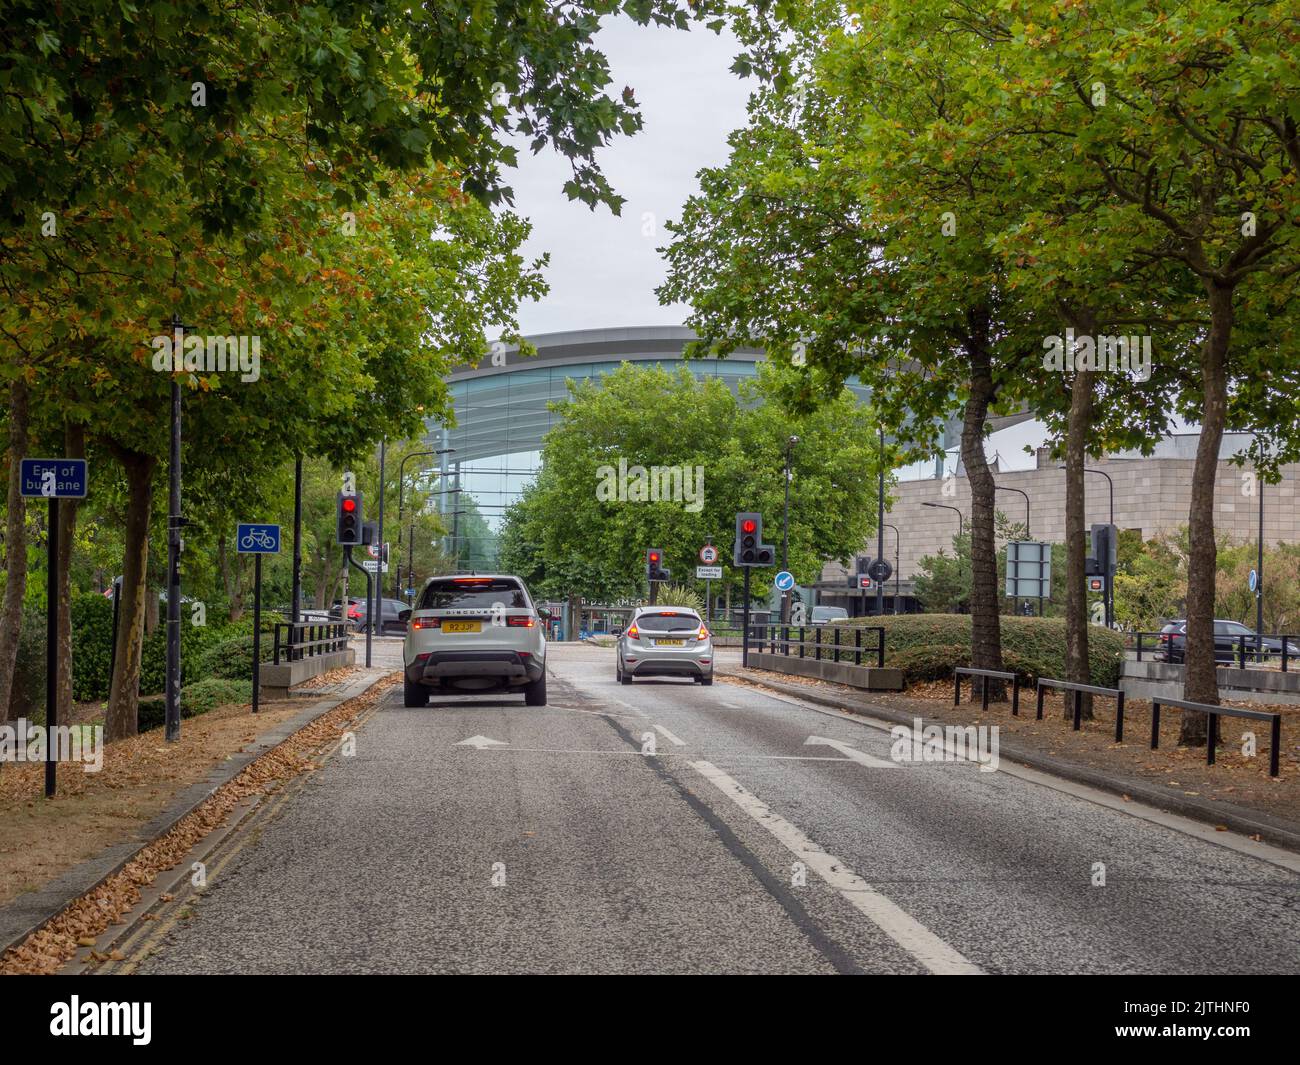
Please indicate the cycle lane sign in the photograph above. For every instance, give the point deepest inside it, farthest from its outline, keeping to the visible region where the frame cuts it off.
(254, 539)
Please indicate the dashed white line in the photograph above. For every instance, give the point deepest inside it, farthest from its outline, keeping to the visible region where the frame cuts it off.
(669, 736)
(908, 933)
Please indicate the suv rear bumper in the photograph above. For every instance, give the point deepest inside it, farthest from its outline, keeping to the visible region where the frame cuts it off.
(510, 667)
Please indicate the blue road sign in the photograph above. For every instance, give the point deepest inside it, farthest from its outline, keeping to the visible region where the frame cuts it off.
(1254, 580)
(258, 539)
(54, 478)
(784, 581)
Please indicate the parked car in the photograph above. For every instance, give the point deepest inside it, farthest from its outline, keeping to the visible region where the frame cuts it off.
(822, 615)
(1229, 637)
(392, 616)
(662, 641)
(475, 634)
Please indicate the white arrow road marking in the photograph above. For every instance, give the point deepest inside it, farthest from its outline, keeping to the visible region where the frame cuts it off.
(845, 749)
(479, 742)
(908, 933)
(670, 737)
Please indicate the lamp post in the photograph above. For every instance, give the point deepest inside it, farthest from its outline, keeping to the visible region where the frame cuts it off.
(1008, 488)
(961, 528)
(785, 530)
(1109, 595)
(401, 488)
(897, 555)
(880, 520)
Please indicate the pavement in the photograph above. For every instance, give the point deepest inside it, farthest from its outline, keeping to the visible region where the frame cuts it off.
(668, 827)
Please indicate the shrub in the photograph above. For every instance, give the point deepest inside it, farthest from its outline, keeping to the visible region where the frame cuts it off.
(92, 645)
(680, 595)
(27, 697)
(196, 699)
(232, 658)
(920, 643)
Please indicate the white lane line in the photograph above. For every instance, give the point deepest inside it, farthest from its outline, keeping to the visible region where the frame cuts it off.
(669, 736)
(861, 757)
(908, 933)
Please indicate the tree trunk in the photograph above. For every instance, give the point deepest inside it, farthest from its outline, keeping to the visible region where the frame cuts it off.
(11, 618)
(74, 446)
(123, 703)
(986, 640)
(1200, 681)
(230, 574)
(1078, 423)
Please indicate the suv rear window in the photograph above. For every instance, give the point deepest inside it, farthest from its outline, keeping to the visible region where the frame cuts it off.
(667, 622)
(473, 594)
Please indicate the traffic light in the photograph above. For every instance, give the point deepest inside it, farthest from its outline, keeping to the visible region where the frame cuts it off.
(1100, 561)
(348, 523)
(654, 567)
(749, 549)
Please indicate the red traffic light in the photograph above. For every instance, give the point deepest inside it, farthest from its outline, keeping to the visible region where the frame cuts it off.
(748, 525)
(654, 556)
(349, 504)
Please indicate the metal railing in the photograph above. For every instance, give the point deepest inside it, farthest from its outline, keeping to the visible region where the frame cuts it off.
(1212, 733)
(308, 639)
(1078, 690)
(776, 639)
(1242, 648)
(996, 674)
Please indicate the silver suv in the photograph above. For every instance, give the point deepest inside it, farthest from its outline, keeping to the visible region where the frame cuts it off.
(475, 634)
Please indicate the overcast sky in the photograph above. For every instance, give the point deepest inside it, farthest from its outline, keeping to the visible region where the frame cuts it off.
(604, 269)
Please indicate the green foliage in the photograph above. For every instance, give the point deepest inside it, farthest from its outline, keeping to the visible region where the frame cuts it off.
(231, 658)
(92, 645)
(680, 595)
(569, 534)
(929, 646)
(28, 696)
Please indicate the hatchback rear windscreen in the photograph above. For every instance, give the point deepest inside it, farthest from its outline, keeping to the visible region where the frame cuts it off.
(666, 622)
(473, 595)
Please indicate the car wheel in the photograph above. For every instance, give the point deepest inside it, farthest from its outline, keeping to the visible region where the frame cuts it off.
(706, 681)
(535, 693)
(623, 676)
(414, 694)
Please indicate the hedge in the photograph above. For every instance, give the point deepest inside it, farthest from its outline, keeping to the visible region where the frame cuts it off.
(929, 646)
(196, 699)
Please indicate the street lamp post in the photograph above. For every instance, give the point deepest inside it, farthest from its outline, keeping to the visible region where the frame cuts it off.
(880, 521)
(401, 488)
(1008, 488)
(1109, 595)
(897, 554)
(785, 531)
(961, 528)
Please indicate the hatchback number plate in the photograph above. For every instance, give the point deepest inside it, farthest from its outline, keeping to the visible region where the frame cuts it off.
(670, 643)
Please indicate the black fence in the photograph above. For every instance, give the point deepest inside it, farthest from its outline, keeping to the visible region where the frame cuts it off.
(1078, 690)
(995, 674)
(307, 639)
(1212, 737)
(828, 642)
(1242, 649)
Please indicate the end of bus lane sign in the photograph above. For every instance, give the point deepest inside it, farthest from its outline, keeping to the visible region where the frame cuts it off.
(53, 478)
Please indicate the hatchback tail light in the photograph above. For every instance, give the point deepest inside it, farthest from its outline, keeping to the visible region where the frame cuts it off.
(426, 623)
(703, 634)
(633, 633)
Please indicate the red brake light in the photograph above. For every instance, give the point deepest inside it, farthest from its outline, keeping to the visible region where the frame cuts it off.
(426, 623)
(703, 634)
(632, 633)
(353, 612)
(521, 621)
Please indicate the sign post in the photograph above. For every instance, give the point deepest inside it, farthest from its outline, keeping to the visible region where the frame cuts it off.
(257, 540)
(708, 556)
(52, 479)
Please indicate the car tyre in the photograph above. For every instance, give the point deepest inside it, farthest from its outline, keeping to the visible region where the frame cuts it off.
(622, 674)
(414, 694)
(535, 692)
(706, 681)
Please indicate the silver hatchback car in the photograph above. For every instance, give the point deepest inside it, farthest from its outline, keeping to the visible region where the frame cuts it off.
(665, 641)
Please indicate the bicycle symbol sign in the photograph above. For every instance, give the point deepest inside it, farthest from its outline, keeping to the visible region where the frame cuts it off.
(258, 539)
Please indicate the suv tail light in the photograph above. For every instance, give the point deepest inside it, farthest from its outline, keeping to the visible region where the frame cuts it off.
(426, 623)
(521, 621)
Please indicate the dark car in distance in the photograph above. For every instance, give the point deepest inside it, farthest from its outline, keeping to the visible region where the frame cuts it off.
(1230, 637)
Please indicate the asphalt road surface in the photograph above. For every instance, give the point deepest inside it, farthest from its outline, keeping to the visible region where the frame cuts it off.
(669, 827)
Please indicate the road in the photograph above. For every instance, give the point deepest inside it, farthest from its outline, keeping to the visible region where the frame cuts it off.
(551, 843)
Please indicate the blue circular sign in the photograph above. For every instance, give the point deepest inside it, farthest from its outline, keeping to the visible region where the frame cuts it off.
(1254, 580)
(784, 581)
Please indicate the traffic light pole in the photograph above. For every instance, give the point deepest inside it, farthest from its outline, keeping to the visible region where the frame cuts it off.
(744, 630)
(347, 551)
